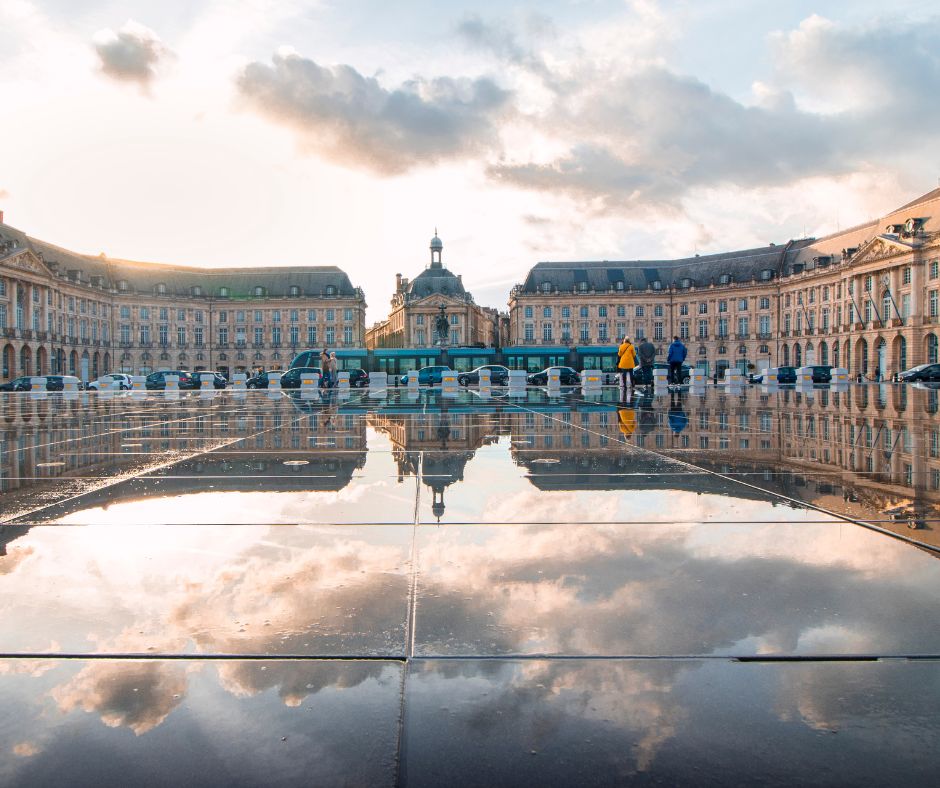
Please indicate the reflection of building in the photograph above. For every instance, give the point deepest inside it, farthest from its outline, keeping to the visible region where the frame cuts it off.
(55, 445)
(867, 298)
(58, 309)
(442, 443)
(416, 306)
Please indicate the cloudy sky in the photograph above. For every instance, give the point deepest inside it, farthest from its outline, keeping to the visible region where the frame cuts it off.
(255, 132)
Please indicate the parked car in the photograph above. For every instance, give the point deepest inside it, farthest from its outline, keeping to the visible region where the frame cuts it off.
(105, 381)
(292, 378)
(922, 373)
(259, 381)
(821, 374)
(640, 377)
(428, 376)
(785, 375)
(358, 378)
(499, 375)
(17, 384)
(568, 377)
(219, 380)
(157, 380)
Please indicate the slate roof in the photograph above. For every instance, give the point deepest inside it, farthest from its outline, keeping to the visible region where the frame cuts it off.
(179, 279)
(436, 281)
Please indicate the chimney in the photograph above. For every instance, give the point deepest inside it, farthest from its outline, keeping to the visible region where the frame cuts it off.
(397, 283)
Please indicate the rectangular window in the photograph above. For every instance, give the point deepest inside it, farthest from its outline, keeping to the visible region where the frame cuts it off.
(640, 311)
(259, 334)
(529, 332)
(198, 337)
(703, 329)
(125, 313)
(640, 332)
(703, 308)
(330, 315)
(722, 306)
(621, 330)
(657, 330)
(764, 324)
(223, 335)
(566, 312)
(164, 313)
(528, 311)
(742, 305)
(584, 333)
(566, 332)
(825, 320)
(602, 335)
(198, 315)
(455, 320)
(294, 315)
(868, 310)
(181, 335)
(125, 334)
(347, 315)
(932, 301)
(311, 315)
(144, 313)
(684, 329)
(868, 283)
(546, 332)
(743, 327)
(455, 336)
(347, 335)
(276, 316)
(419, 337)
(259, 316)
(722, 327)
(240, 316)
(180, 314)
(621, 310)
(683, 309)
(294, 335)
(934, 268)
(906, 278)
(223, 317)
(145, 335)
(658, 310)
(164, 333)
(765, 302)
(330, 335)
(583, 312)
(906, 306)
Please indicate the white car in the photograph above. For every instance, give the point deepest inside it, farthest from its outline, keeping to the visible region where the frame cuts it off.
(105, 382)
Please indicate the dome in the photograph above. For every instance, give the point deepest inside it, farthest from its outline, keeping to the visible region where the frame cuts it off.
(436, 281)
(436, 244)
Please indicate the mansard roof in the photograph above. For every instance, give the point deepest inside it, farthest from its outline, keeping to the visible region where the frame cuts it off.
(143, 277)
(436, 281)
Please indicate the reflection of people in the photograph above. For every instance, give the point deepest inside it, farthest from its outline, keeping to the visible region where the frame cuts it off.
(334, 370)
(627, 419)
(678, 420)
(626, 361)
(675, 357)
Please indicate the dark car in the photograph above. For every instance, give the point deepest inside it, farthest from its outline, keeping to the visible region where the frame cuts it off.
(499, 375)
(293, 377)
(922, 373)
(567, 377)
(428, 376)
(822, 374)
(17, 384)
(358, 378)
(259, 381)
(640, 377)
(157, 380)
(785, 375)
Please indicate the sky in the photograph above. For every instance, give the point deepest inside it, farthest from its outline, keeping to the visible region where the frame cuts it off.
(313, 132)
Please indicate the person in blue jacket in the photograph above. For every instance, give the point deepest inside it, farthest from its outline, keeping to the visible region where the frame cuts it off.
(675, 357)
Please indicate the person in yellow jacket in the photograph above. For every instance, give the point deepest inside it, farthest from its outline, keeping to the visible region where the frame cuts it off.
(626, 361)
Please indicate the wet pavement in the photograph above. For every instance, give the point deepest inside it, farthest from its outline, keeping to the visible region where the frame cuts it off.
(697, 588)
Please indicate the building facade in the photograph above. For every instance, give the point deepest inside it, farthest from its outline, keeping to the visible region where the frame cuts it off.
(865, 298)
(416, 304)
(62, 312)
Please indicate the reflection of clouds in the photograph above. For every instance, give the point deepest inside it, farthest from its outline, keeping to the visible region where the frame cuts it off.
(26, 749)
(136, 695)
(622, 589)
(294, 681)
(538, 506)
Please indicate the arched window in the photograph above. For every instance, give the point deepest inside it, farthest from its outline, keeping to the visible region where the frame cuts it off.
(932, 348)
(823, 354)
(785, 355)
(294, 291)
(797, 355)
(861, 354)
(835, 354)
(259, 291)
(902, 355)
(886, 306)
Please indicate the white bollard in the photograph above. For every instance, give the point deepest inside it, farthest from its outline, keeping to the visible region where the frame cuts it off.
(485, 378)
(449, 383)
(840, 375)
(37, 384)
(592, 380)
(70, 386)
(553, 381)
(207, 382)
(378, 380)
(660, 377)
(342, 381)
(769, 378)
(412, 379)
(804, 376)
(172, 382)
(138, 383)
(518, 379)
(698, 377)
(309, 381)
(274, 381)
(733, 377)
(239, 381)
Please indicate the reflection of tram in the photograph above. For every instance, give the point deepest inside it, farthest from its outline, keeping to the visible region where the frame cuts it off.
(532, 358)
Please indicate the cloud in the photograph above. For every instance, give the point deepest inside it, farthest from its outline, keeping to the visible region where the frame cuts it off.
(4, 194)
(346, 116)
(131, 54)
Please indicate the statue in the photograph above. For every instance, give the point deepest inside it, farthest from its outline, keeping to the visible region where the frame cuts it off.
(442, 326)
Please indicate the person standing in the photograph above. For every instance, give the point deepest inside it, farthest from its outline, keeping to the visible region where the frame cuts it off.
(647, 354)
(334, 370)
(626, 361)
(677, 354)
(325, 366)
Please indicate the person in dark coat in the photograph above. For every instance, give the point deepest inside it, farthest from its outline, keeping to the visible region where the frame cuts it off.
(647, 354)
(675, 357)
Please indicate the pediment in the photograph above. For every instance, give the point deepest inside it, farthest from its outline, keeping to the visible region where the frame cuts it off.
(436, 299)
(25, 260)
(879, 248)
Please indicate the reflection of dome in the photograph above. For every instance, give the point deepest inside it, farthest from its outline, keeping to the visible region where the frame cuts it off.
(436, 281)
(436, 244)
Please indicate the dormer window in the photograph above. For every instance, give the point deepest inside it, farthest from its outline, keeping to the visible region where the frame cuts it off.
(724, 279)
(161, 289)
(685, 284)
(546, 287)
(767, 274)
(223, 292)
(582, 287)
(195, 290)
(122, 285)
(618, 285)
(259, 291)
(294, 291)
(656, 284)
(331, 290)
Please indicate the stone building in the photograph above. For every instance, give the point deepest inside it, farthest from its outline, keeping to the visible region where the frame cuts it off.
(62, 312)
(416, 305)
(865, 298)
